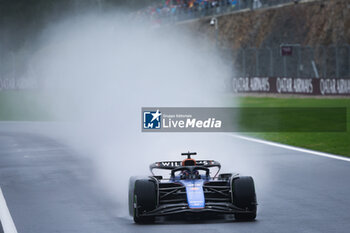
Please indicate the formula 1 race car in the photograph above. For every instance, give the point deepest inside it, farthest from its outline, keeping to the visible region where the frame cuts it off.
(192, 189)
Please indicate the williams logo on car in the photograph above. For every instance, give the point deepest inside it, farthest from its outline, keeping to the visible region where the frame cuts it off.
(152, 120)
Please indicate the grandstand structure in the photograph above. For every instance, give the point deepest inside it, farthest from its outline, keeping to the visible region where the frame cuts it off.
(181, 11)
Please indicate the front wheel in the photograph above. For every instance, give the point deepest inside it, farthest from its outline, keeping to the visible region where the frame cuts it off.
(145, 199)
(244, 197)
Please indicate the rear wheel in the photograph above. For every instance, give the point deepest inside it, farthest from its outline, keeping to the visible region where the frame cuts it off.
(244, 197)
(145, 199)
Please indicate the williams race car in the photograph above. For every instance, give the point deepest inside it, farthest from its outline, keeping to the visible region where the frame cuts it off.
(192, 189)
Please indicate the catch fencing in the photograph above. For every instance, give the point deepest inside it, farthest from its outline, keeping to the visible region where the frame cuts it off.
(292, 69)
(293, 60)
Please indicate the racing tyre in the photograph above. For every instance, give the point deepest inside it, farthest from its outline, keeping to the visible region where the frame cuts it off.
(145, 199)
(244, 197)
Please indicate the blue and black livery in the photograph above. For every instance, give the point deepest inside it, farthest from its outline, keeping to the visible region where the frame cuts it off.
(191, 188)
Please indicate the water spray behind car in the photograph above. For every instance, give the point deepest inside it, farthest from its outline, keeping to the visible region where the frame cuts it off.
(98, 70)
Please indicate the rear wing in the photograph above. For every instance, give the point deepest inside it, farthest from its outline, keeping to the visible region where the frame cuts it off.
(169, 165)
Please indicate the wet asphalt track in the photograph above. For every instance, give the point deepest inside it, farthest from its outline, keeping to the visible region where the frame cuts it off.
(48, 190)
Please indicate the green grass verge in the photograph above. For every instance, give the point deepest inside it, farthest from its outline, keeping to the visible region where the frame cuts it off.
(30, 106)
(335, 143)
(23, 105)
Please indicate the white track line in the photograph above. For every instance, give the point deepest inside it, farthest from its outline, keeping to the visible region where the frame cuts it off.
(5, 216)
(292, 148)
